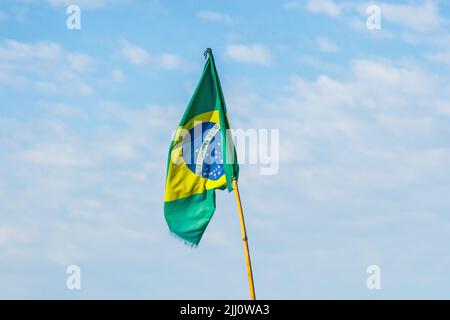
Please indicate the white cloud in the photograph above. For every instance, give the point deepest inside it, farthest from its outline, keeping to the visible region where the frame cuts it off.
(87, 4)
(139, 56)
(12, 80)
(134, 54)
(72, 170)
(255, 53)
(422, 18)
(13, 50)
(419, 17)
(64, 254)
(328, 7)
(168, 61)
(44, 66)
(214, 16)
(371, 86)
(10, 235)
(46, 87)
(58, 155)
(80, 62)
(117, 75)
(318, 64)
(63, 110)
(346, 136)
(442, 57)
(326, 45)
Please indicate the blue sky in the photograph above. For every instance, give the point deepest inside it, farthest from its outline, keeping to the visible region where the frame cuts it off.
(86, 118)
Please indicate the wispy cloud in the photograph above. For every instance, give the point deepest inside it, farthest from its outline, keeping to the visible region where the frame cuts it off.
(10, 235)
(326, 45)
(44, 66)
(81, 62)
(214, 16)
(254, 53)
(440, 57)
(424, 17)
(87, 4)
(374, 114)
(134, 53)
(328, 7)
(168, 61)
(117, 74)
(57, 155)
(139, 56)
(60, 157)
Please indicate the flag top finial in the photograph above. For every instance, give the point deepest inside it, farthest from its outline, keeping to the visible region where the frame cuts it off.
(208, 51)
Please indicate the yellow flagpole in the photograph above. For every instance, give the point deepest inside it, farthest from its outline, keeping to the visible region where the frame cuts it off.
(245, 240)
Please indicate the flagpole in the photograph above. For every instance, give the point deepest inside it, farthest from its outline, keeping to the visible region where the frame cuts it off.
(245, 240)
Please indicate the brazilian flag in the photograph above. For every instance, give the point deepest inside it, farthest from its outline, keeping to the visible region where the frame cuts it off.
(202, 158)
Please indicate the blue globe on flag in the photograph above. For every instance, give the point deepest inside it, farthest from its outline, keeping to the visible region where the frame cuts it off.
(202, 151)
